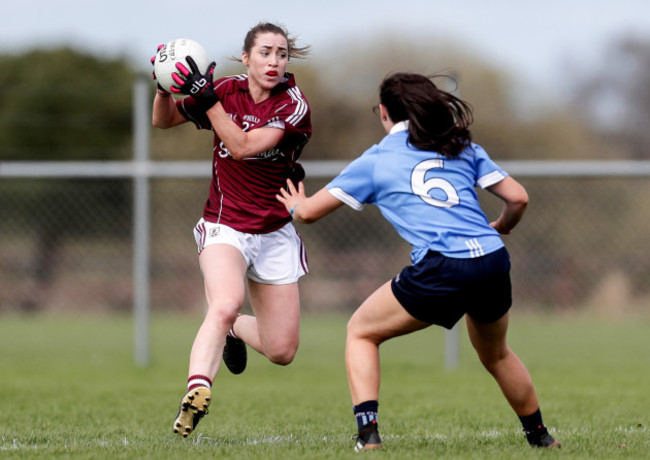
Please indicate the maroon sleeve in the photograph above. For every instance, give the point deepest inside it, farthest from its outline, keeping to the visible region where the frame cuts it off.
(295, 113)
(190, 110)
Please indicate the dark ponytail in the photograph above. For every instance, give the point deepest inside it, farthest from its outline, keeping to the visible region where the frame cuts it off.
(438, 120)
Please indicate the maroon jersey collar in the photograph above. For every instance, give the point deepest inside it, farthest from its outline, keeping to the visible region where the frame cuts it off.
(288, 81)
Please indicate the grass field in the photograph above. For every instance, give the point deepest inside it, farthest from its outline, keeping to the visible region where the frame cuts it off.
(69, 389)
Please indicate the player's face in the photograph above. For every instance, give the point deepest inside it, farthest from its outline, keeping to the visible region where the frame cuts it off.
(267, 61)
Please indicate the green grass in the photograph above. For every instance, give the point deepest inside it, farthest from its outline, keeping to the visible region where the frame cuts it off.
(69, 389)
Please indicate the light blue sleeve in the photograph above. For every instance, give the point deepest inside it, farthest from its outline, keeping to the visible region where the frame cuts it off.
(487, 171)
(355, 185)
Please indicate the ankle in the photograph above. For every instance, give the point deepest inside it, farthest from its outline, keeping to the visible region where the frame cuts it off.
(198, 380)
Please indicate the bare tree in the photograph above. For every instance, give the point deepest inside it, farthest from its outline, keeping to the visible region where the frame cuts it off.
(615, 99)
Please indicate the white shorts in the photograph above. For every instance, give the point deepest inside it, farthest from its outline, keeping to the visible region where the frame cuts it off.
(278, 257)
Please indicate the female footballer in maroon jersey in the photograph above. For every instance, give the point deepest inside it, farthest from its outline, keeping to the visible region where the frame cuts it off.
(261, 122)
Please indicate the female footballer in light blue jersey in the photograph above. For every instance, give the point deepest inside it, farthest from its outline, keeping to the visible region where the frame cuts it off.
(422, 176)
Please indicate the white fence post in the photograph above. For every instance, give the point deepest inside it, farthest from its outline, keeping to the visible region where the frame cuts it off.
(141, 215)
(452, 347)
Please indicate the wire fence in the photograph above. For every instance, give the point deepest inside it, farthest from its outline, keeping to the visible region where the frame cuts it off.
(117, 236)
(67, 238)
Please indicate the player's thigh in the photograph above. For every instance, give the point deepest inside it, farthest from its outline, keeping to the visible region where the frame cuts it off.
(223, 268)
(280, 259)
(381, 317)
(277, 310)
(488, 339)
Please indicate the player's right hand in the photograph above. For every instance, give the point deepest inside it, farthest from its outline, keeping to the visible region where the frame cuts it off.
(162, 91)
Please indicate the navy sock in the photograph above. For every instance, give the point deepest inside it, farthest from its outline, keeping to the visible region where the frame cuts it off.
(532, 422)
(365, 413)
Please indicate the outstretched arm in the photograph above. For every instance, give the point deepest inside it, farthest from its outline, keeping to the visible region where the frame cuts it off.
(307, 210)
(515, 200)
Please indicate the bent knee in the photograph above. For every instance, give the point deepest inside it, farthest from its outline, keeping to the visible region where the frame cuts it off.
(492, 361)
(359, 330)
(283, 355)
(355, 328)
(223, 312)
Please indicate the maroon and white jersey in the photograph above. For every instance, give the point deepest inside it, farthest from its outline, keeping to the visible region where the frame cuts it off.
(242, 193)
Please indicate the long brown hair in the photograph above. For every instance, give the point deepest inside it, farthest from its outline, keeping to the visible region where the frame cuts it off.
(263, 27)
(438, 120)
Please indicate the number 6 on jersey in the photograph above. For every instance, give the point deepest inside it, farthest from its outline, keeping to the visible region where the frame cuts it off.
(422, 187)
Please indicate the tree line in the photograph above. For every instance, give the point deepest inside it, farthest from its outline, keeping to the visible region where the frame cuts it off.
(62, 104)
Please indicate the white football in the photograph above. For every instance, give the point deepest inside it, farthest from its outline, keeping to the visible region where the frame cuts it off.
(174, 52)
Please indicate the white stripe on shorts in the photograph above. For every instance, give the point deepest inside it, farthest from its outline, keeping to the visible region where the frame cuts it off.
(199, 235)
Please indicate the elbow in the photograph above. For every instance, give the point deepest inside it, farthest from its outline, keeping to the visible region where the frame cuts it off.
(159, 122)
(522, 199)
(237, 154)
(519, 204)
(240, 153)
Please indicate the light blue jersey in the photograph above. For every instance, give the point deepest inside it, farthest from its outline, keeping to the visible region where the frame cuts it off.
(430, 199)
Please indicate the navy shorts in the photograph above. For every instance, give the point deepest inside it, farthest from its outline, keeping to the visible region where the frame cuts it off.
(440, 290)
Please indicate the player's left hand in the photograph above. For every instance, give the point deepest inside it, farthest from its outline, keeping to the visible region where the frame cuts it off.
(193, 83)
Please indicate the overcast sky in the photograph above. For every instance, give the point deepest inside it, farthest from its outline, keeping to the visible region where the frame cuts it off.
(532, 40)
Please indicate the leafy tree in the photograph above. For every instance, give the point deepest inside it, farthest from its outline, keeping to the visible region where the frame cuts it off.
(60, 104)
